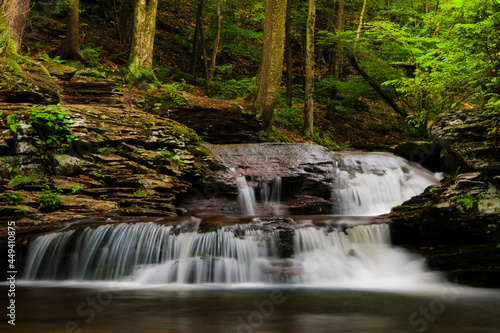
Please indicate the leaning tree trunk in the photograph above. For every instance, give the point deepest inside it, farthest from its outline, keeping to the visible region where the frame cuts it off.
(143, 34)
(272, 60)
(377, 87)
(71, 47)
(309, 70)
(15, 15)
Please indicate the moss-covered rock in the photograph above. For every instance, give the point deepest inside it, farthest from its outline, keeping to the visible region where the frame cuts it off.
(26, 81)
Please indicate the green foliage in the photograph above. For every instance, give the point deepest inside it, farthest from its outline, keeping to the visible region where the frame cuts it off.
(14, 197)
(49, 199)
(33, 179)
(103, 150)
(52, 125)
(173, 93)
(92, 53)
(13, 124)
(165, 153)
(167, 95)
(140, 192)
(326, 140)
(224, 86)
(467, 201)
(21, 210)
(77, 188)
(55, 60)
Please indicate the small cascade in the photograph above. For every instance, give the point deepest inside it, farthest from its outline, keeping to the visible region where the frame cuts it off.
(360, 255)
(371, 184)
(148, 253)
(270, 197)
(246, 196)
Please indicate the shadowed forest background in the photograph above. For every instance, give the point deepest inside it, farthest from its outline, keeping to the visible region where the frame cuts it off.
(370, 73)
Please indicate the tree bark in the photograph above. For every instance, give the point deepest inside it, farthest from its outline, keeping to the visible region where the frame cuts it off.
(377, 87)
(309, 70)
(205, 63)
(288, 48)
(216, 43)
(196, 38)
(361, 17)
(143, 34)
(71, 46)
(15, 16)
(272, 60)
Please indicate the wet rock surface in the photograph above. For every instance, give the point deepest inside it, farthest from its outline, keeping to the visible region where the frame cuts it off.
(455, 224)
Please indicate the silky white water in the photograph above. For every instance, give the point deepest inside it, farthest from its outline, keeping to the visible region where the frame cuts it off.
(147, 253)
(371, 184)
(362, 184)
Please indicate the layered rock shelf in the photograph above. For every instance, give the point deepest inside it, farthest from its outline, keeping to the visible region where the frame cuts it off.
(456, 223)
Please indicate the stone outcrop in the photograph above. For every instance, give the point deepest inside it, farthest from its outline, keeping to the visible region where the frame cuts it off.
(121, 161)
(27, 82)
(456, 224)
(218, 125)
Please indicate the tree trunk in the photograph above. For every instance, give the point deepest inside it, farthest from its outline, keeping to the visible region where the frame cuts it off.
(196, 38)
(361, 16)
(336, 70)
(15, 16)
(71, 46)
(272, 60)
(377, 87)
(309, 70)
(288, 48)
(143, 34)
(216, 43)
(125, 21)
(205, 63)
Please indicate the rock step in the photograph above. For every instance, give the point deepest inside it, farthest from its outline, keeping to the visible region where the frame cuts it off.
(84, 92)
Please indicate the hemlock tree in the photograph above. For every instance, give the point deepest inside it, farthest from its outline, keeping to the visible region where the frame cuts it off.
(272, 60)
(143, 34)
(14, 15)
(71, 47)
(309, 70)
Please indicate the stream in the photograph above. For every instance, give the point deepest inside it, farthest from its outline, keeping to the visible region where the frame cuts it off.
(267, 269)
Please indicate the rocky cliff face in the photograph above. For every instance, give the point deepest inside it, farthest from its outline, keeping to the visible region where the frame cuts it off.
(456, 223)
(121, 161)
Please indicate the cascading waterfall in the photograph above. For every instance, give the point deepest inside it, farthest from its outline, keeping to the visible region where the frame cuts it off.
(374, 183)
(147, 253)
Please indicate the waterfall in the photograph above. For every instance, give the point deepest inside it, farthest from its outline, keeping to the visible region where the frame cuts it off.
(246, 196)
(148, 253)
(371, 184)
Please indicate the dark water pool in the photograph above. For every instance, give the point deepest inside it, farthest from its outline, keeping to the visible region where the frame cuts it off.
(441, 308)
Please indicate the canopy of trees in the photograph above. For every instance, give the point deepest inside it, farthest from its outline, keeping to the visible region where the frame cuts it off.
(418, 57)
